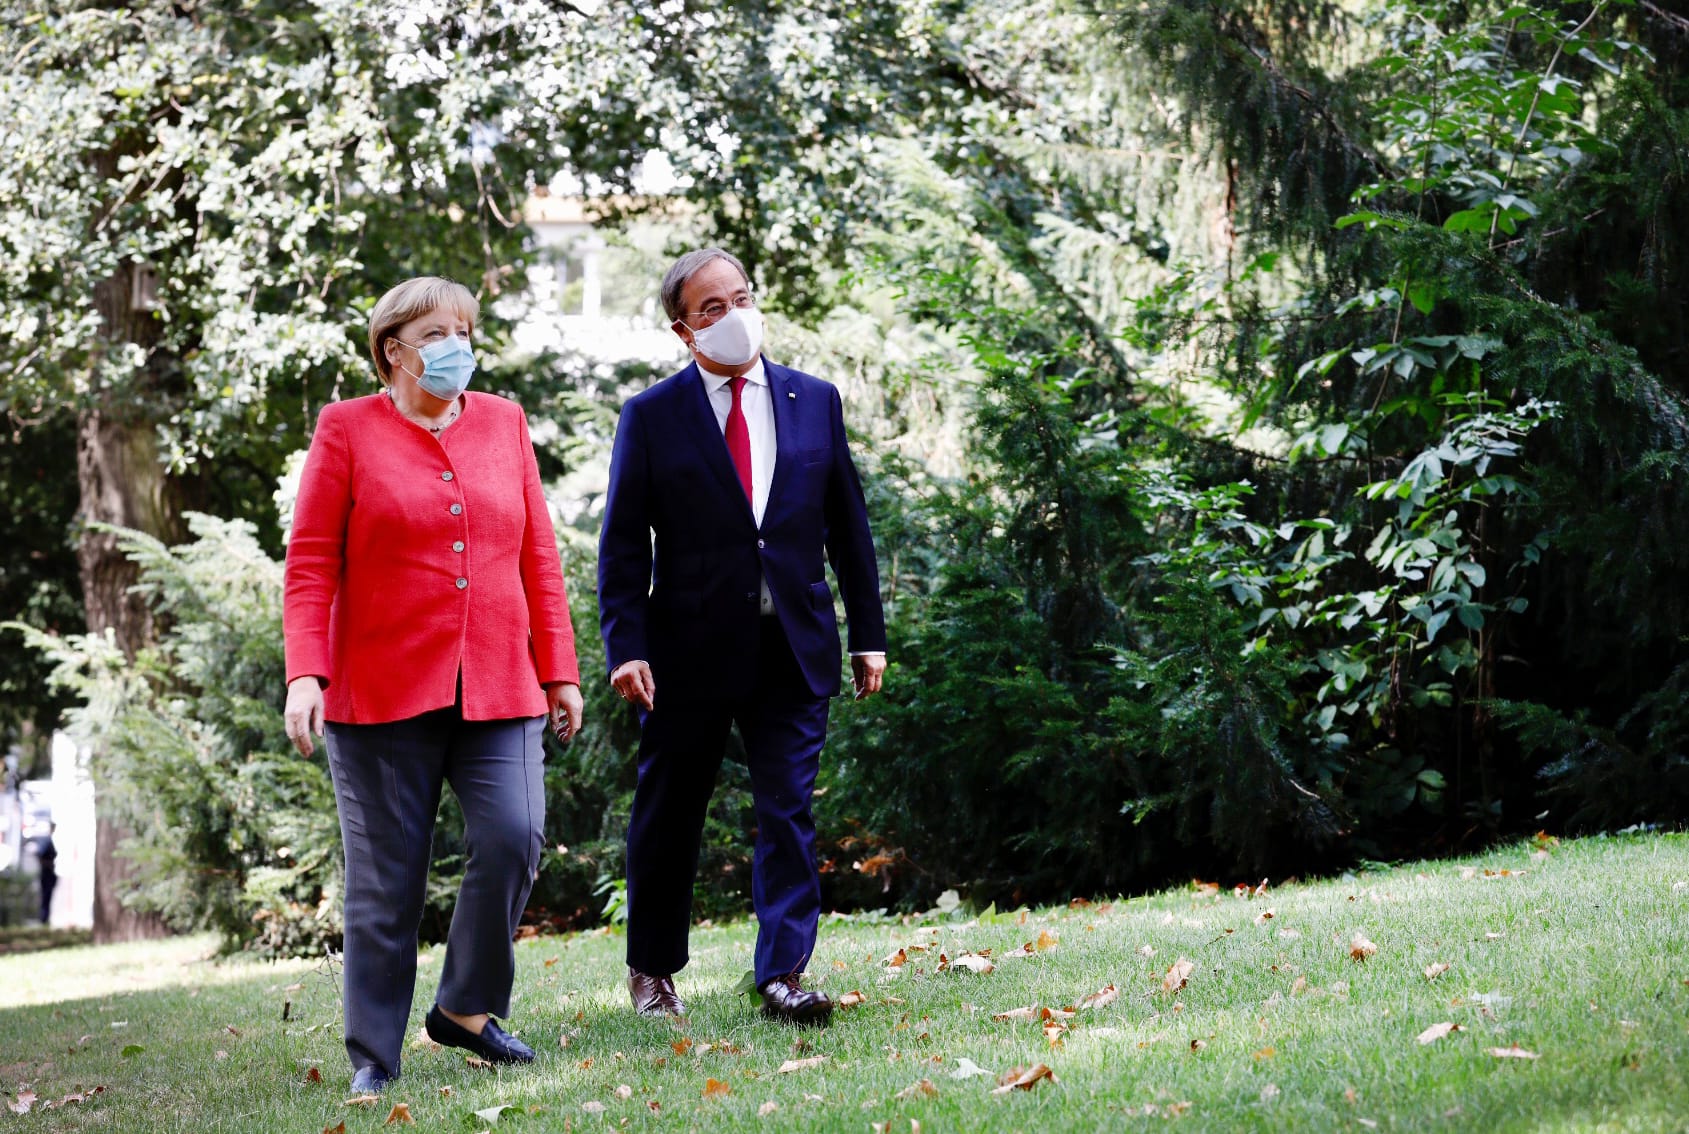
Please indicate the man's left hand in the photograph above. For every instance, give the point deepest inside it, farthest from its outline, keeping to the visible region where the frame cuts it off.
(866, 671)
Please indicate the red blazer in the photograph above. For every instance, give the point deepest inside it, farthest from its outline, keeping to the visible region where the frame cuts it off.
(414, 556)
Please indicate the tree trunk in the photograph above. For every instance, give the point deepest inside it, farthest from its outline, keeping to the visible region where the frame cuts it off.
(121, 482)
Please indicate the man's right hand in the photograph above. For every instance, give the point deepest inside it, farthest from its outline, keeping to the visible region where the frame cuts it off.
(304, 713)
(634, 682)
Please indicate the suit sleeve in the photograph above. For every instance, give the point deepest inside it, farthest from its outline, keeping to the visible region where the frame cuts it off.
(624, 547)
(542, 576)
(316, 549)
(850, 545)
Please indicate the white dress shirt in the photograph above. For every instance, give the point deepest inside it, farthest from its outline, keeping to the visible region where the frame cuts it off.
(758, 408)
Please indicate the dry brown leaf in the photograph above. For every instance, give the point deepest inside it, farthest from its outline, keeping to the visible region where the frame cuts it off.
(1146, 950)
(1028, 1013)
(922, 1089)
(1360, 948)
(969, 962)
(1023, 1078)
(1178, 974)
(1264, 917)
(1102, 998)
(339, 1128)
(791, 1065)
(1513, 1052)
(767, 1108)
(656, 1107)
(22, 1103)
(897, 959)
(1198, 1044)
(682, 1045)
(362, 1100)
(447, 1091)
(476, 1062)
(1437, 1031)
(713, 1087)
(312, 1075)
(623, 1091)
(593, 1106)
(852, 999)
(1437, 969)
(401, 1114)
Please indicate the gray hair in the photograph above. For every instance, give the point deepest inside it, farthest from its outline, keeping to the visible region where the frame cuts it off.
(688, 266)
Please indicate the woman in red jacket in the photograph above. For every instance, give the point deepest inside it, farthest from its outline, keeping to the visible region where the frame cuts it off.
(426, 624)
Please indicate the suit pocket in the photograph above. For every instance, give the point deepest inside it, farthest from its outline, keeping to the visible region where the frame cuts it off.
(821, 596)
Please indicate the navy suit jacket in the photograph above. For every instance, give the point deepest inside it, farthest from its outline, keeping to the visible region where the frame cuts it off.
(680, 554)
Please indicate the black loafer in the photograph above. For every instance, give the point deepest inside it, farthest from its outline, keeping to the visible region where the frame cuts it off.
(370, 1080)
(493, 1044)
(784, 999)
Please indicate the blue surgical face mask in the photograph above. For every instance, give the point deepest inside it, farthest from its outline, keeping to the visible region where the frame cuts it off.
(447, 367)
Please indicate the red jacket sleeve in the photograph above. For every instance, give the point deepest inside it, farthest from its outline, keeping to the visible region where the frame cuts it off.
(316, 549)
(542, 579)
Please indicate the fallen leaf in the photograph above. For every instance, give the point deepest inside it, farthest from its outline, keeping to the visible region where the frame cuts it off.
(294, 987)
(767, 1108)
(1013, 1014)
(967, 1069)
(362, 1100)
(1178, 974)
(852, 999)
(477, 1062)
(339, 1128)
(1437, 1031)
(791, 1065)
(447, 1092)
(1437, 969)
(313, 1076)
(1198, 1044)
(623, 1091)
(1102, 998)
(656, 1107)
(716, 1087)
(593, 1106)
(491, 1113)
(401, 1113)
(1146, 950)
(1514, 1052)
(897, 959)
(1493, 936)
(682, 1045)
(1023, 1078)
(922, 1089)
(1299, 986)
(1264, 917)
(130, 1050)
(969, 962)
(1269, 1092)
(22, 1103)
(1360, 948)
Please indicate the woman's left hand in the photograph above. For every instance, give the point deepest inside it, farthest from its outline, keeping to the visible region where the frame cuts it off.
(564, 709)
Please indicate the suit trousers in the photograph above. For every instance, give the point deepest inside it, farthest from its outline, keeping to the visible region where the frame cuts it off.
(387, 781)
(681, 747)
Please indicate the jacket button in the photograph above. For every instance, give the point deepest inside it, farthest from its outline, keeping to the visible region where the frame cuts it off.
(447, 475)
(462, 583)
(457, 509)
(760, 543)
(457, 545)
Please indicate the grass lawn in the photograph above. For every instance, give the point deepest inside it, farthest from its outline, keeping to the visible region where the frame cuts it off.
(1566, 981)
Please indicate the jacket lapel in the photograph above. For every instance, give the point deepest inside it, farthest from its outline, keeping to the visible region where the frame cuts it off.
(782, 391)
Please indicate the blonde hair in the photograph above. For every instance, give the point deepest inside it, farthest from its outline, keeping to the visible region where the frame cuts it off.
(411, 300)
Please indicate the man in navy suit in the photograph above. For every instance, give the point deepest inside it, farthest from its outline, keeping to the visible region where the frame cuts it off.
(729, 482)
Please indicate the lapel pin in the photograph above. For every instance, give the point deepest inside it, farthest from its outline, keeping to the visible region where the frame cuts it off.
(791, 395)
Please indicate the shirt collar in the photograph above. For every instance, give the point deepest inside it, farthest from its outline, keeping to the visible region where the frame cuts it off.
(713, 382)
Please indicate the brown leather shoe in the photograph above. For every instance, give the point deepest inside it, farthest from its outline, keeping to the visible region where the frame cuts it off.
(784, 999)
(654, 995)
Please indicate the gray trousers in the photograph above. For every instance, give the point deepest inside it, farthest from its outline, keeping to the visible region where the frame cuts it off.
(387, 780)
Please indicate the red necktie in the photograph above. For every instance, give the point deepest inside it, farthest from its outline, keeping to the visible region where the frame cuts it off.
(739, 438)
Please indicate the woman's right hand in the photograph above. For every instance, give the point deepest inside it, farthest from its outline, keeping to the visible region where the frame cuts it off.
(304, 713)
